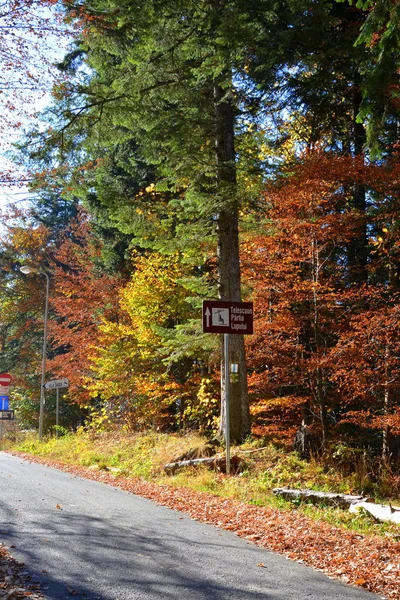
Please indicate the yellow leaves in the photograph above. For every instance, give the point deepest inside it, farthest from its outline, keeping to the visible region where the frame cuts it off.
(376, 242)
(126, 360)
(265, 151)
(29, 241)
(154, 296)
(379, 241)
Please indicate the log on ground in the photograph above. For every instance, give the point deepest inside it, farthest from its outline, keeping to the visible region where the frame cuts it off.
(380, 512)
(329, 498)
(218, 463)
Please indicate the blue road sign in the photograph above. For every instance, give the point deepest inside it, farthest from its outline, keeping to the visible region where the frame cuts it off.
(4, 403)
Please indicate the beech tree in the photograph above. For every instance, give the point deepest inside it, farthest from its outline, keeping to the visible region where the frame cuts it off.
(22, 297)
(324, 343)
(295, 270)
(83, 295)
(136, 365)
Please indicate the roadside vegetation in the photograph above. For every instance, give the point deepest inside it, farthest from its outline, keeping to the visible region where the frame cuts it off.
(143, 456)
(191, 151)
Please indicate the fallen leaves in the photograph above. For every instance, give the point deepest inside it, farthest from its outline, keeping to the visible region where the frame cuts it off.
(15, 582)
(370, 562)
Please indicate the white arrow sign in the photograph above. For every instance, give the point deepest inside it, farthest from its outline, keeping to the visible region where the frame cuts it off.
(56, 383)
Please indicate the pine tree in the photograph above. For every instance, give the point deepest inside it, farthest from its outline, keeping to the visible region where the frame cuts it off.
(163, 80)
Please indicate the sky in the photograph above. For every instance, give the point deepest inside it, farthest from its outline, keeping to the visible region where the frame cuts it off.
(25, 78)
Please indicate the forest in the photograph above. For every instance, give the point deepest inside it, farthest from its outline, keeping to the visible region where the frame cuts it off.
(241, 150)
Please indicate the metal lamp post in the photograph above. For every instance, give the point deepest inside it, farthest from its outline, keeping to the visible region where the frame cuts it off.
(28, 271)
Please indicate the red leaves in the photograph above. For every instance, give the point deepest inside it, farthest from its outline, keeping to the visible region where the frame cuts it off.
(320, 333)
(15, 581)
(82, 296)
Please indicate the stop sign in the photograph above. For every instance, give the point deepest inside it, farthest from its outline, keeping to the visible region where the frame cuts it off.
(5, 379)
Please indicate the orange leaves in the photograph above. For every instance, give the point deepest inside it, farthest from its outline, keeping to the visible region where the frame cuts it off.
(82, 295)
(319, 334)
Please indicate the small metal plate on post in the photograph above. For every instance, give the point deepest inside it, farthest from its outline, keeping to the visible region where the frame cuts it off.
(56, 384)
(6, 415)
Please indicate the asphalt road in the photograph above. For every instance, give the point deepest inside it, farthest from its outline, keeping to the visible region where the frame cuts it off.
(83, 539)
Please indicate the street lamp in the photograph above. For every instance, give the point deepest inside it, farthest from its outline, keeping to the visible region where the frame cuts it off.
(29, 271)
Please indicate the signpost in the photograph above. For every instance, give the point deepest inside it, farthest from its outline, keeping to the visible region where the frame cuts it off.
(227, 318)
(57, 384)
(5, 413)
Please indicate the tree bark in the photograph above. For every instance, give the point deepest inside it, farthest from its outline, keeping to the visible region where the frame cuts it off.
(386, 406)
(328, 498)
(228, 258)
(358, 248)
(319, 391)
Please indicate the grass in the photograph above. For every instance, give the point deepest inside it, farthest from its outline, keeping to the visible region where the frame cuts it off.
(144, 455)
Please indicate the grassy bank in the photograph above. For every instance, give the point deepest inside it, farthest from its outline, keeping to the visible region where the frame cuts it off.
(144, 456)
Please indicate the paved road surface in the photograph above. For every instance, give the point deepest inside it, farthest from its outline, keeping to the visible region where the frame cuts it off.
(104, 543)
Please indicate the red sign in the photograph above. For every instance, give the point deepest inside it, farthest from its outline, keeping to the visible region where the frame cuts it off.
(227, 317)
(5, 379)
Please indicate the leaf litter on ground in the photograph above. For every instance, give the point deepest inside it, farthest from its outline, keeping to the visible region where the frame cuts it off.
(367, 561)
(15, 581)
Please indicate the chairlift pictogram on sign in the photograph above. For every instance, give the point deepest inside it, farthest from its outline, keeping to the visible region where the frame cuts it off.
(227, 317)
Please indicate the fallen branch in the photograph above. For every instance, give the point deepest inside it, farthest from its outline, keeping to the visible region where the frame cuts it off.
(253, 450)
(329, 498)
(216, 462)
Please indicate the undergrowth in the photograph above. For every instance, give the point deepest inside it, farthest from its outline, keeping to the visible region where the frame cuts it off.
(144, 455)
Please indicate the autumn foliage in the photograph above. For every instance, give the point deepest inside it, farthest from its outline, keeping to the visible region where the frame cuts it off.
(83, 296)
(278, 167)
(326, 343)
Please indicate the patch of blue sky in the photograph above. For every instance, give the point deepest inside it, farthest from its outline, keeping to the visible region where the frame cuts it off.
(32, 39)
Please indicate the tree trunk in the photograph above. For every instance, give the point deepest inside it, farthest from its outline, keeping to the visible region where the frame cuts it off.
(358, 248)
(319, 391)
(228, 259)
(386, 406)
